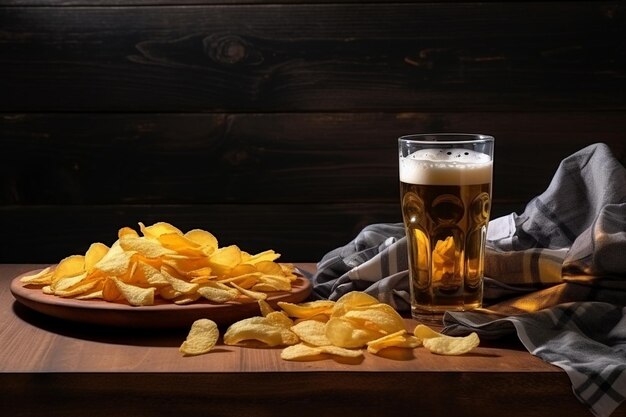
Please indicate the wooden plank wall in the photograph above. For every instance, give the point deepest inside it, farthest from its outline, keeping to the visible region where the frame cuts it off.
(273, 124)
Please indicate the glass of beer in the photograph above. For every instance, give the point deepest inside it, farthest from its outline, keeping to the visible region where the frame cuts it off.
(445, 187)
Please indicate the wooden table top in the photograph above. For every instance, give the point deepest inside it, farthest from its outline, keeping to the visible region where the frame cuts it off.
(53, 367)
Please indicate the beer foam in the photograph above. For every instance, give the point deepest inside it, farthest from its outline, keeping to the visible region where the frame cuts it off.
(446, 167)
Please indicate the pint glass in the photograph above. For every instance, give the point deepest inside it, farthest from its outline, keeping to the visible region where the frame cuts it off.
(445, 189)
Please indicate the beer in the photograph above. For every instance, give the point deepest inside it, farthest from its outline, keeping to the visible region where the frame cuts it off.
(446, 198)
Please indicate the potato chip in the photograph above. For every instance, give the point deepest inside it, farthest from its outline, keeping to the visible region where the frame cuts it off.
(443, 344)
(323, 318)
(183, 264)
(265, 308)
(288, 269)
(201, 339)
(242, 270)
(280, 283)
(312, 332)
(110, 292)
(69, 267)
(94, 254)
(269, 268)
(449, 345)
(246, 281)
(127, 231)
(358, 318)
(75, 290)
(352, 300)
(357, 298)
(339, 351)
(256, 295)
(398, 339)
(378, 317)
(217, 294)
(168, 293)
(202, 272)
(268, 255)
(248, 329)
(280, 319)
(158, 229)
(300, 351)
(264, 288)
(149, 248)
(43, 277)
(224, 259)
(116, 262)
(303, 351)
(65, 283)
(306, 309)
(151, 275)
(202, 280)
(424, 332)
(179, 285)
(259, 329)
(153, 262)
(181, 245)
(206, 240)
(186, 298)
(130, 276)
(136, 296)
(348, 334)
(90, 295)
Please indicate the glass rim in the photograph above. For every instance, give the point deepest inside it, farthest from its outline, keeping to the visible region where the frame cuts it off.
(440, 138)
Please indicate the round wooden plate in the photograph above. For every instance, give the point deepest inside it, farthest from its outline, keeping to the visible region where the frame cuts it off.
(161, 315)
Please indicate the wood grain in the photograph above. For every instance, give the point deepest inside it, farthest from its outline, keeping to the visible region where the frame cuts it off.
(304, 394)
(72, 3)
(69, 368)
(273, 124)
(48, 234)
(314, 57)
(302, 184)
(269, 158)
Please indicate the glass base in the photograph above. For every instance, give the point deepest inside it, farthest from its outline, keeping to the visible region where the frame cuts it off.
(434, 315)
(427, 317)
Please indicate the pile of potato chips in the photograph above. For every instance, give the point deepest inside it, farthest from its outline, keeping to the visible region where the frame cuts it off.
(167, 263)
(310, 330)
(184, 267)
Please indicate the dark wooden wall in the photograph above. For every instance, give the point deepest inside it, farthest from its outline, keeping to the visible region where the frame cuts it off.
(273, 124)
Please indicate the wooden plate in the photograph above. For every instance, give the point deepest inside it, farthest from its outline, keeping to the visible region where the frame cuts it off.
(161, 315)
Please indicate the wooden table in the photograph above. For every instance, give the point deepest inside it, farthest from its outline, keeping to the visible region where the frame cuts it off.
(51, 367)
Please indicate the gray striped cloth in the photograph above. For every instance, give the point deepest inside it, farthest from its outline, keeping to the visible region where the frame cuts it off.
(552, 273)
(586, 339)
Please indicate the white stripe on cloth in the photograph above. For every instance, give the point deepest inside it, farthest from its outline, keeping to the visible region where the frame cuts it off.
(534, 266)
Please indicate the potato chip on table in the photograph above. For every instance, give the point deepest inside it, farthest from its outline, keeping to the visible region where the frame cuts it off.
(202, 338)
(398, 339)
(260, 329)
(442, 344)
(353, 322)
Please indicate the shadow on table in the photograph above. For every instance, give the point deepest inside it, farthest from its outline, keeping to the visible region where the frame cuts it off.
(166, 337)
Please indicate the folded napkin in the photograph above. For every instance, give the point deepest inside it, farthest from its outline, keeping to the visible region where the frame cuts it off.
(568, 246)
